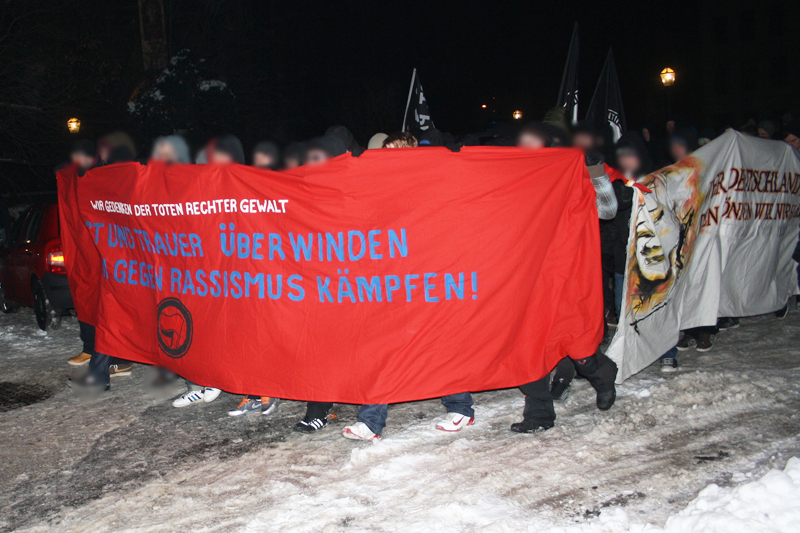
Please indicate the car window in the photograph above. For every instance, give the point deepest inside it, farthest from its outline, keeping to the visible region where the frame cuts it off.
(16, 229)
(30, 233)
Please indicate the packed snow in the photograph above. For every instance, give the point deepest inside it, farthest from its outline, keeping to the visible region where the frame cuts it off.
(708, 448)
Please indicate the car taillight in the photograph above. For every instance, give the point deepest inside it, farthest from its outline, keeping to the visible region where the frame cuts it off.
(55, 261)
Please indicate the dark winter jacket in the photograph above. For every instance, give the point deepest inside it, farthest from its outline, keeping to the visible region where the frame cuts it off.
(621, 223)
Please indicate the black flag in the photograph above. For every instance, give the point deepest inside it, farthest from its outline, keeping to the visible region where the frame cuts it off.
(568, 94)
(606, 106)
(419, 120)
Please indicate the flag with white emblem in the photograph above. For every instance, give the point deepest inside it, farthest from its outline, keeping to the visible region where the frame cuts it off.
(606, 107)
(417, 118)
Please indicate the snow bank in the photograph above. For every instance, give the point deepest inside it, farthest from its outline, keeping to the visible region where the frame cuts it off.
(769, 505)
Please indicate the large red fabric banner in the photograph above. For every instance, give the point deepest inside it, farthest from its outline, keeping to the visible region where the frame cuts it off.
(400, 275)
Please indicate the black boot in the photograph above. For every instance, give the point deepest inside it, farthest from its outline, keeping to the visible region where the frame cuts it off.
(562, 380)
(539, 413)
(530, 426)
(601, 372)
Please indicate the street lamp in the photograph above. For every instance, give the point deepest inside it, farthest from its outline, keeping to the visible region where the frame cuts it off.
(74, 125)
(517, 114)
(667, 77)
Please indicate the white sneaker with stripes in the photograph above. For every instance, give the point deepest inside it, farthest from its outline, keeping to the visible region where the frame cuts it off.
(188, 398)
(210, 394)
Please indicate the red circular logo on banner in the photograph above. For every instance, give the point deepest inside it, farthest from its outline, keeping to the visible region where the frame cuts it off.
(175, 327)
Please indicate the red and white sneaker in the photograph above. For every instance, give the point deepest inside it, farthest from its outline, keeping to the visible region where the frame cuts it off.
(360, 431)
(455, 422)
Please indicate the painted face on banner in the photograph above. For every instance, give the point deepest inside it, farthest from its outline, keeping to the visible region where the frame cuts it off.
(664, 234)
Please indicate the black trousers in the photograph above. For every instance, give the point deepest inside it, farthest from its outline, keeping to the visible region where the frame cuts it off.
(87, 337)
(538, 400)
(318, 410)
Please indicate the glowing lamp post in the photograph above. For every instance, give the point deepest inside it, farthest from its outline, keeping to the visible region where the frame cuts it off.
(667, 77)
(517, 114)
(74, 125)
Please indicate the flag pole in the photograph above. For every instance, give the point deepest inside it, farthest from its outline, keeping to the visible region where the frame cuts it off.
(408, 102)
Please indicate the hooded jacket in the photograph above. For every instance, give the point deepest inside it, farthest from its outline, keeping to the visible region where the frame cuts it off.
(178, 144)
(227, 144)
(346, 136)
(271, 149)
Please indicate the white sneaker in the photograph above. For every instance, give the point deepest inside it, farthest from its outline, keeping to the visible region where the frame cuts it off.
(210, 394)
(455, 422)
(188, 398)
(360, 431)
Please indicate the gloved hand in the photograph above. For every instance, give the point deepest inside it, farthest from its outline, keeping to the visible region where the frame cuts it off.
(594, 157)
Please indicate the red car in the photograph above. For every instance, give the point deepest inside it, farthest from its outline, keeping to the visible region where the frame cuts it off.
(32, 269)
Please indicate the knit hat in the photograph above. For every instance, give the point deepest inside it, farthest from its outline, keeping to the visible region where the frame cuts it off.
(376, 141)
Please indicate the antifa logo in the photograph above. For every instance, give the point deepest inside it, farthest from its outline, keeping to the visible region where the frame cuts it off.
(175, 327)
(613, 122)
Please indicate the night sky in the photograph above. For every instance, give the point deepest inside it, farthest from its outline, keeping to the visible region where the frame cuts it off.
(298, 67)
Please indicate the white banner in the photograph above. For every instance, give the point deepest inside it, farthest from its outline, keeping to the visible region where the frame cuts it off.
(714, 239)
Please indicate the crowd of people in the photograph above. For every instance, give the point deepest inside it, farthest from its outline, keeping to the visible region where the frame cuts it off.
(610, 165)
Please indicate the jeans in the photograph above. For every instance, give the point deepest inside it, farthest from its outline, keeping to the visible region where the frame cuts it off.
(374, 415)
(99, 363)
(619, 281)
(98, 367)
(672, 353)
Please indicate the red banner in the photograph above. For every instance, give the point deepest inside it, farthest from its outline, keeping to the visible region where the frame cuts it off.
(400, 275)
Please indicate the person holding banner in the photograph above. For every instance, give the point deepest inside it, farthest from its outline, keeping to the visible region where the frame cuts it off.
(319, 151)
(372, 418)
(84, 155)
(101, 367)
(539, 412)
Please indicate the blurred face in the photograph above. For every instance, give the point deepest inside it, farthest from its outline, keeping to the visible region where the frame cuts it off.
(221, 158)
(262, 160)
(530, 141)
(104, 151)
(584, 141)
(83, 161)
(794, 141)
(165, 152)
(290, 162)
(670, 127)
(629, 164)
(678, 151)
(316, 156)
(646, 134)
(764, 134)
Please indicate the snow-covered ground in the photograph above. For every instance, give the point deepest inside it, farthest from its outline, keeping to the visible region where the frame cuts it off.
(130, 462)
